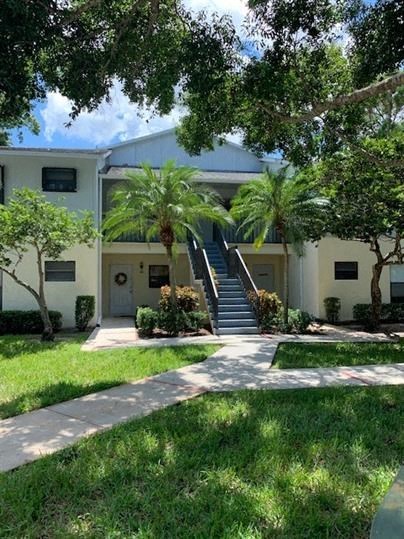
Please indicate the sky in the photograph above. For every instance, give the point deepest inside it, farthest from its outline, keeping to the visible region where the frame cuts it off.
(112, 122)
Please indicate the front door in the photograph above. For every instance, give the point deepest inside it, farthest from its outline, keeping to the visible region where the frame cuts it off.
(263, 276)
(121, 290)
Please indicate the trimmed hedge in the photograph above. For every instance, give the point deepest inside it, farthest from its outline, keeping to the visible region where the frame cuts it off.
(27, 322)
(391, 312)
(84, 311)
(146, 321)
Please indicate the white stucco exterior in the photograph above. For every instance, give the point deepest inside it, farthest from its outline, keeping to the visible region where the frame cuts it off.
(311, 277)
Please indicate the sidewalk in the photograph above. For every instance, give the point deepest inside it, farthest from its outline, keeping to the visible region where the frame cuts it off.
(239, 365)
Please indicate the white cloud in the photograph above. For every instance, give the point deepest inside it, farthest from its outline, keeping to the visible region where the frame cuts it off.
(118, 119)
(121, 119)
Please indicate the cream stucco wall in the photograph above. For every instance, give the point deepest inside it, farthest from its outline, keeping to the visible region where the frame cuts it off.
(26, 171)
(60, 296)
(275, 260)
(142, 294)
(350, 292)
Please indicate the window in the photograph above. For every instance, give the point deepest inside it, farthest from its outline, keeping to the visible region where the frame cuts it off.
(62, 180)
(158, 276)
(60, 271)
(397, 283)
(345, 271)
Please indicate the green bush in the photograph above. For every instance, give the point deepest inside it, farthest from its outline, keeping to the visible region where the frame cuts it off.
(27, 322)
(137, 310)
(298, 321)
(332, 309)
(173, 322)
(187, 299)
(391, 312)
(267, 306)
(196, 320)
(84, 311)
(146, 321)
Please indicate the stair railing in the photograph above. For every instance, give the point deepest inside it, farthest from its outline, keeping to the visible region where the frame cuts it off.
(202, 270)
(237, 268)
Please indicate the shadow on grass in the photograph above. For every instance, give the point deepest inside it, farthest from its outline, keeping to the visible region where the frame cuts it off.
(290, 464)
(12, 346)
(52, 394)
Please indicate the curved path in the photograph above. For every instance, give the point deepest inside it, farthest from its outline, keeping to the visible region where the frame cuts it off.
(242, 363)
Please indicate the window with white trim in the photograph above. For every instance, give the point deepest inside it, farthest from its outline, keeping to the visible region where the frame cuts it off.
(60, 271)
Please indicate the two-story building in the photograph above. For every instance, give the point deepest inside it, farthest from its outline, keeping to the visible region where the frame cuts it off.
(129, 272)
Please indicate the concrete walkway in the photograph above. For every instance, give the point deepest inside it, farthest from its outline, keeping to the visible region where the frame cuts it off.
(241, 364)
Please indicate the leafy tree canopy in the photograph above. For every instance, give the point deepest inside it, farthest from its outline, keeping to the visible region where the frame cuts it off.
(316, 71)
(80, 47)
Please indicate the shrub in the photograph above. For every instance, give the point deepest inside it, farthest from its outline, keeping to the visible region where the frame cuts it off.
(137, 310)
(146, 321)
(173, 322)
(391, 312)
(187, 299)
(267, 306)
(30, 322)
(298, 321)
(332, 309)
(84, 311)
(196, 320)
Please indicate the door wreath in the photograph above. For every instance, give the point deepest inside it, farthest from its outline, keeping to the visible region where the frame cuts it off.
(121, 278)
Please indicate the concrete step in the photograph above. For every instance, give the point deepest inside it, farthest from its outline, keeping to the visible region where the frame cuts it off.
(237, 323)
(231, 288)
(235, 315)
(245, 308)
(233, 301)
(232, 294)
(238, 331)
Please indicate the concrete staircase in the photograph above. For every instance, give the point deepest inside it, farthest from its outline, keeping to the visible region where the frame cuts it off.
(235, 316)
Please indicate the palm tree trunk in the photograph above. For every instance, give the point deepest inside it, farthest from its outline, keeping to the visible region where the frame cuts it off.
(285, 280)
(173, 280)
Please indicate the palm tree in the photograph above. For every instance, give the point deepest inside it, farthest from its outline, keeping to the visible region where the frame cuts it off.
(287, 205)
(168, 203)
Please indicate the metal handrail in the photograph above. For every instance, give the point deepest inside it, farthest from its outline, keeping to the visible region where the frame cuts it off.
(200, 264)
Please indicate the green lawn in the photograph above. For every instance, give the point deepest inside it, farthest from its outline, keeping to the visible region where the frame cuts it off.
(290, 355)
(35, 374)
(290, 464)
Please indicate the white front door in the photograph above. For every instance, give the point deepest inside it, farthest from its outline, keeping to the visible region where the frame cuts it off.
(263, 276)
(121, 290)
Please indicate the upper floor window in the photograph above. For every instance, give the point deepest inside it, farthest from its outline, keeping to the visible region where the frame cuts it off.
(346, 271)
(61, 180)
(60, 271)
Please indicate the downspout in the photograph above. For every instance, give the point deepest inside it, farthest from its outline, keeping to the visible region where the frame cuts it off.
(99, 245)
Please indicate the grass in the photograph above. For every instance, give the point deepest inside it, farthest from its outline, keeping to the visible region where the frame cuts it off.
(265, 464)
(35, 374)
(290, 355)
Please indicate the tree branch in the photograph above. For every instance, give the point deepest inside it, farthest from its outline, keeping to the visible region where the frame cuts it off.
(20, 282)
(390, 84)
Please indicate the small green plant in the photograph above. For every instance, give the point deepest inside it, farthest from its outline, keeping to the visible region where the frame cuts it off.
(298, 321)
(214, 276)
(332, 309)
(267, 306)
(173, 322)
(146, 321)
(84, 311)
(187, 299)
(196, 320)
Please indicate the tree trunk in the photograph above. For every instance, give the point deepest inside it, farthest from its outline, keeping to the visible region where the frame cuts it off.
(173, 280)
(285, 280)
(376, 295)
(47, 334)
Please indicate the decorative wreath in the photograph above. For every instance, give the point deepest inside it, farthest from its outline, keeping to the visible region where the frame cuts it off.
(121, 278)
